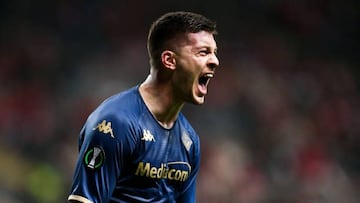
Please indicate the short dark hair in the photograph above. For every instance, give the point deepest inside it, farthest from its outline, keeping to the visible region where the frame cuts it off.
(172, 24)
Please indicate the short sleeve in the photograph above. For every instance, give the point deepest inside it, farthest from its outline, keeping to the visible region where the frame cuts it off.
(103, 149)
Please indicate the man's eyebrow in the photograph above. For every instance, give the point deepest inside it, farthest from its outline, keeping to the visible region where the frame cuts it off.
(206, 47)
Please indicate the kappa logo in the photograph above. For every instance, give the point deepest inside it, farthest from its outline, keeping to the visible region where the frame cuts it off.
(147, 136)
(105, 127)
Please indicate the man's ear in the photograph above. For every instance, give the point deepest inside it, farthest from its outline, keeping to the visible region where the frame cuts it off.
(168, 59)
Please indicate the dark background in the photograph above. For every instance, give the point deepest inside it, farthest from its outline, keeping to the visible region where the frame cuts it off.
(281, 122)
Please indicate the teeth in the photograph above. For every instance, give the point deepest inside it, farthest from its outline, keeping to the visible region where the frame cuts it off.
(204, 79)
(209, 75)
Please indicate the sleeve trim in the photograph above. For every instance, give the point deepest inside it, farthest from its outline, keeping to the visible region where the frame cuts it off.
(79, 198)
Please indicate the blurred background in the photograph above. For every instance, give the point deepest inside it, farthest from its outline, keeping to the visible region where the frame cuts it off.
(281, 122)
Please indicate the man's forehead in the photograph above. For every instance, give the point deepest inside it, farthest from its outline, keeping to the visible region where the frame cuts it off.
(202, 38)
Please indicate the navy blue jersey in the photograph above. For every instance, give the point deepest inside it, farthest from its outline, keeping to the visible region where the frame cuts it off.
(125, 155)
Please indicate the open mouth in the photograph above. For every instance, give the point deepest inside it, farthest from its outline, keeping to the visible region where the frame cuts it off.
(204, 81)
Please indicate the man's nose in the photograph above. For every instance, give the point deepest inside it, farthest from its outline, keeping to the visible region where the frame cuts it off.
(213, 61)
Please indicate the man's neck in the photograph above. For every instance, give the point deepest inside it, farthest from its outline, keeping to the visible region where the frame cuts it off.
(159, 99)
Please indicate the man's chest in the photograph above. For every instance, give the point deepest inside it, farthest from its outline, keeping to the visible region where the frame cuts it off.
(162, 155)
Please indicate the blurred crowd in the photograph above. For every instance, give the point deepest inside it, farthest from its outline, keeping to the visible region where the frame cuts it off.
(281, 122)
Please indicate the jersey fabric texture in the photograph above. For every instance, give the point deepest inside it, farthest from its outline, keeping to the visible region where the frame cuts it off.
(125, 155)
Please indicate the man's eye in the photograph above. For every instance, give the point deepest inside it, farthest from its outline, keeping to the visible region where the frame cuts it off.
(203, 53)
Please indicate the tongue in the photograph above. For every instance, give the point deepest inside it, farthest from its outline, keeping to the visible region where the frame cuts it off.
(202, 89)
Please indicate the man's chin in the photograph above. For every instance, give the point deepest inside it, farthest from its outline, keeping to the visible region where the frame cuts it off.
(198, 100)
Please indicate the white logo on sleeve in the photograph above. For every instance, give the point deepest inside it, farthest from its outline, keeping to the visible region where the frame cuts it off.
(94, 157)
(186, 140)
(147, 136)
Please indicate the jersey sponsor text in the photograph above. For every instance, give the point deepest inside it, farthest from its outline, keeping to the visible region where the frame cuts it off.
(163, 172)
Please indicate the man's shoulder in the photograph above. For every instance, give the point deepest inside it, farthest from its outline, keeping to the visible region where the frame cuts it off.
(185, 122)
(116, 114)
(188, 127)
(120, 107)
(122, 101)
